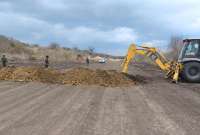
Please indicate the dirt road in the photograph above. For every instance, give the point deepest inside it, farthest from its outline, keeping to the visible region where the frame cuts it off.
(155, 108)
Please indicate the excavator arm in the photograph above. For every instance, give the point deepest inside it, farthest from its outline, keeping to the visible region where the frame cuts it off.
(172, 69)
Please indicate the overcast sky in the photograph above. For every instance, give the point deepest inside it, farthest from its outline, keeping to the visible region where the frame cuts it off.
(108, 25)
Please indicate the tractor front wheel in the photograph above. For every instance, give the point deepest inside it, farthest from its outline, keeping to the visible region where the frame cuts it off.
(191, 72)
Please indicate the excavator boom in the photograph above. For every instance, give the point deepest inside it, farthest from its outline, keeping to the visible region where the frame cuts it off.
(171, 68)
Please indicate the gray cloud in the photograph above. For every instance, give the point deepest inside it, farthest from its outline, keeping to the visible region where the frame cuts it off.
(105, 24)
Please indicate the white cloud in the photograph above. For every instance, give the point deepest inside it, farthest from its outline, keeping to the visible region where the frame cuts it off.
(196, 24)
(52, 4)
(87, 34)
(123, 34)
(159, 44)
(34, 30)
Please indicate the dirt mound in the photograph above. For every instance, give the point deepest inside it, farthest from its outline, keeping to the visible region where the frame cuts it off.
(30, 74)
(75, 76)
(97, 77)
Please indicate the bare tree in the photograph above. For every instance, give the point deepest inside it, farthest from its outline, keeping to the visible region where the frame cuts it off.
(35, 45)
(91, 49)
(176, 43)
(76, 49)
(54, 46)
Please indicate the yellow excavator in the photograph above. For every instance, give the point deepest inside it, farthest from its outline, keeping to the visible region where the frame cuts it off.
(187, 67)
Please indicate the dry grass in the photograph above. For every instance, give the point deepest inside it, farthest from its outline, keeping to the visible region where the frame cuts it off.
(57, 54)
(16, 50)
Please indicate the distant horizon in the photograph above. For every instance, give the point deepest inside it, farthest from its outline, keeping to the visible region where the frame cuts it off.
(61, 46)
(72, 47)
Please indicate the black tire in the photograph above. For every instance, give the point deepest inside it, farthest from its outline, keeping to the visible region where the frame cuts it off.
(191, 72)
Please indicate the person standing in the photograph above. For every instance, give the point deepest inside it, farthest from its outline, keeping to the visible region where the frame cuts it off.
(87, 61)
(4, 61)
(47, 61)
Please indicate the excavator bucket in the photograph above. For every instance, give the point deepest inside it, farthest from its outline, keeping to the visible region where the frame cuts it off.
(177, 71)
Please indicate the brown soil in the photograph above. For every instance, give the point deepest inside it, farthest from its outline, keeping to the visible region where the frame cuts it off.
(30, 74)
(76, 76)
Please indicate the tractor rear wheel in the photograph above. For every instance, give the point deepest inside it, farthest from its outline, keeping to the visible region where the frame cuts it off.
(191, 72)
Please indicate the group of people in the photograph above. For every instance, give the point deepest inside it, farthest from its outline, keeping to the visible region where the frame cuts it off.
(4, 61)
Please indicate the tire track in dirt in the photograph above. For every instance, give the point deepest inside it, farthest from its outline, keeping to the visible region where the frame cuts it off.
(141, 118)
(79, 117)
(104, 122)
(54, 110)
(179, 105)
(68, 119)
(87, 124)
(118, 109)
(25, 108)
(16, 96)
(28, 98)
(63, 114)
(126, 127)
(16, 89)
(109, 119)
(161, 120)
(5, 86)
(35, 119)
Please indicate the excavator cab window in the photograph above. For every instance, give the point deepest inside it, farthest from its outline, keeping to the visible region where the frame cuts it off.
(191, 49)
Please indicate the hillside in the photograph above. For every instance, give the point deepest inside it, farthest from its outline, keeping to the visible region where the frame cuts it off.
(9, 45)
(17, 50)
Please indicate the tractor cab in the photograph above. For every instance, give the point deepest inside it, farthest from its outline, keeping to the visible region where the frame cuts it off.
(190, 59)
(190, 51)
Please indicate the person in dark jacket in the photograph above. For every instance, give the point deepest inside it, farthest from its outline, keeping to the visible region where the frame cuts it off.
(4, 61)
(87, 61)
(47, 61)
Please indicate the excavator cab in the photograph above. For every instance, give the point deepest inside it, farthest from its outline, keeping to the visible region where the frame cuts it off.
(191, 50)
(190, 59)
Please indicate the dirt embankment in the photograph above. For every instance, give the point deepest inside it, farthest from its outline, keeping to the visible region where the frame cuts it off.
(76, 76)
